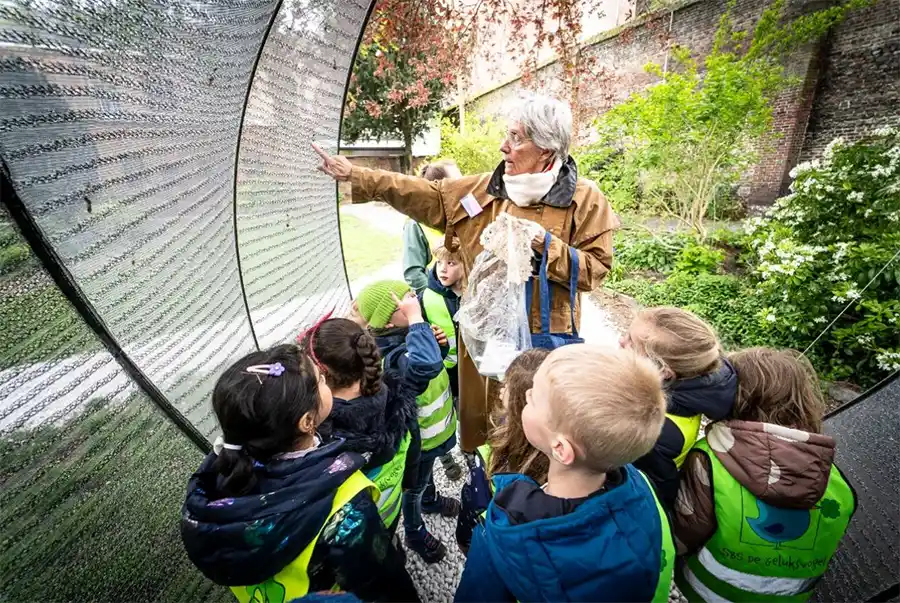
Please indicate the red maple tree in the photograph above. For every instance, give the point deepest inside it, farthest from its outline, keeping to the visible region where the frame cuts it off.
(414, 54)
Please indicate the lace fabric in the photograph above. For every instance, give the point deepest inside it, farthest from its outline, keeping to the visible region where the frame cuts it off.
(492, 315)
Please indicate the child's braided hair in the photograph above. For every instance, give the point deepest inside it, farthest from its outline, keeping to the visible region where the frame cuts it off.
(347, 353)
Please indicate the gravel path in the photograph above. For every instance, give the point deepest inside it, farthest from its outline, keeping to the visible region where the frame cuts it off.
(438, 582)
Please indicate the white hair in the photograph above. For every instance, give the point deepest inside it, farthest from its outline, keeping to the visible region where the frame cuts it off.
(547, 122)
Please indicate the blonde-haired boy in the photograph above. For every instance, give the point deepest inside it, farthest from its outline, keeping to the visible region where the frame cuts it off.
(440, 303)
(594, 531)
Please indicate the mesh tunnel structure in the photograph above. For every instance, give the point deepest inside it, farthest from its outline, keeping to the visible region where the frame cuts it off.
(161, 217)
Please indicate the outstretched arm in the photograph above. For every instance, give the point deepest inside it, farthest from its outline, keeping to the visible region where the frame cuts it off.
(420, 199)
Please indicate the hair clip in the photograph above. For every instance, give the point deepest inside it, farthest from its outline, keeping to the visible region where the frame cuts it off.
(270, 370)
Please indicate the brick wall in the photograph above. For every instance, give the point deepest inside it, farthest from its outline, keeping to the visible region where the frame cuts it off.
(859, 89)
(770, 178)
(846, 84)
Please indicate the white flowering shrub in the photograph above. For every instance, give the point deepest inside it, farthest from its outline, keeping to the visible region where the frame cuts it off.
(821, 248)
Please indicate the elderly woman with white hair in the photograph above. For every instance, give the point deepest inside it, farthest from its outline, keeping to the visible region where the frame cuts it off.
(538, 181)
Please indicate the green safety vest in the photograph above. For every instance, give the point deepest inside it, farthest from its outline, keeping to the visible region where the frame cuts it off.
(485, 451)
(388, 479)
(293, 581)
(745, 561)
(690, 429)
(437, 419)
(667, 555)
(438, 314)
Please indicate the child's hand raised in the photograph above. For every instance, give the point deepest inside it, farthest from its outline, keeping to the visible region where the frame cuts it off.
(409, 307)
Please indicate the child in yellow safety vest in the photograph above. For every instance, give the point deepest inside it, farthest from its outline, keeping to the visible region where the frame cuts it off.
(276, 512)
(761, 507)
(507, 450)
(373, 412)
(697, 380)
(408, 346)
(440, 303)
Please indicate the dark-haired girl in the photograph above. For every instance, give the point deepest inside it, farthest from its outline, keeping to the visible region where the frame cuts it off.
(276, 512)
(373, 413)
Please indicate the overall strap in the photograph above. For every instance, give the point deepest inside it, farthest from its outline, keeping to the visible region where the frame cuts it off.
(573, 286)
(544, 285)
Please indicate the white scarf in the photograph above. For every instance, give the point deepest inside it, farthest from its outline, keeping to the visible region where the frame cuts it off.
(528, 189)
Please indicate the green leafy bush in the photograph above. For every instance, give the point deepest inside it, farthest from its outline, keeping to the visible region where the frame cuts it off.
(681, 146)
(823, 246)
(617, 179)
(478, 149)
(696, 258)
(638, 250)
(725, 301)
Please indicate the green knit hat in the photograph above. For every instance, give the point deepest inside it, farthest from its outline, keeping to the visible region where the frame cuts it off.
(375, 303)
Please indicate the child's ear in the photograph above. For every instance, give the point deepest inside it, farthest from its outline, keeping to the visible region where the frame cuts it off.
(562, 450)
(307, 423)
(667, 374)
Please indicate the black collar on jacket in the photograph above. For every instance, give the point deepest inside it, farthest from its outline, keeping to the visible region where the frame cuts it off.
(560, 194)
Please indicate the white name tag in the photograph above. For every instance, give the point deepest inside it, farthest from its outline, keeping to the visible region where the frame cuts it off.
(470, 205)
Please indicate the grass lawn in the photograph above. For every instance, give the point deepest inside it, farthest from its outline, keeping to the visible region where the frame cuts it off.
(368, 248)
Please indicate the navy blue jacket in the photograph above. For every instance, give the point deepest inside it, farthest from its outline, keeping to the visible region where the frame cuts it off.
(711, 395)
(451, 300)
(413, 352)
(245, 540)
(608, 548)
(376, 425)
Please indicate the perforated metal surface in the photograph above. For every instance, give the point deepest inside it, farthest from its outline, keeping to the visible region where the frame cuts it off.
(91, 473)
(287, 223)
(868, 454)
(159, 158)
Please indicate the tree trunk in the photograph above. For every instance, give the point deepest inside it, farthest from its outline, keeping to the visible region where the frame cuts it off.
(406, 158)
(461, 95)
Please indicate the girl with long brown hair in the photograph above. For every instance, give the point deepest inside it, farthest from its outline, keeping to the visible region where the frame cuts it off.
(507, 449)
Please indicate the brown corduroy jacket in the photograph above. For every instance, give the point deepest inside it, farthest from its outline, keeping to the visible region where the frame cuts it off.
(575, 212)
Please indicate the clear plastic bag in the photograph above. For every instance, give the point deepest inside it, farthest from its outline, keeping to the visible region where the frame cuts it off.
(492, 317)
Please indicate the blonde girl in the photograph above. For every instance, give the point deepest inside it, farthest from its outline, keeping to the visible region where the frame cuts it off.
(697, 379)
